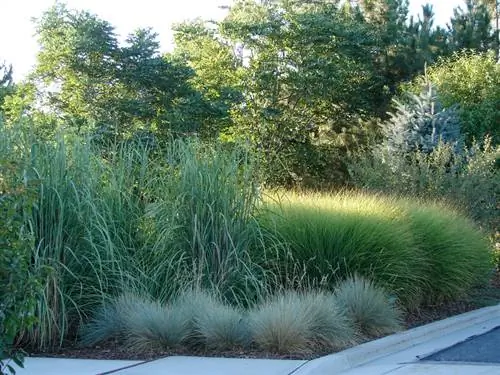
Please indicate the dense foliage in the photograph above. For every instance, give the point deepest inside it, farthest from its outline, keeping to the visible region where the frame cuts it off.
(471, 82)
(18, 283)
(135, 186)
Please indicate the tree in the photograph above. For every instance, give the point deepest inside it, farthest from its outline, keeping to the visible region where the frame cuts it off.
(308, 77)
(420, 123)
(426, 42)
(471, 28)
(6, 81)
(389, 20)
(86, 78)
(494, 9)
(218, 71)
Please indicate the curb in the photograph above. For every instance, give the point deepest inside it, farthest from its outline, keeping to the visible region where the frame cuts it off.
(370, 351)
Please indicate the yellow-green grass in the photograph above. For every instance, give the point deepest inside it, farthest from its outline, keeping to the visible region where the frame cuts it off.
(405, 246)
(458, 254)
(333, 236)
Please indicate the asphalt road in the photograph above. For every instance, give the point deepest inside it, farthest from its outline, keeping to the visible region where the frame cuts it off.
(482, 348)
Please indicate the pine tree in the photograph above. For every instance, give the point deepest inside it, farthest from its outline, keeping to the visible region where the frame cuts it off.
(427, 42)
(494, 9)
(6, 81)
(471, 28)
(420, 123)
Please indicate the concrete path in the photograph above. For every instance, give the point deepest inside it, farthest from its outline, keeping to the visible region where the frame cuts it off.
(214, 366)
(404, 353)
(168, 366)
(63, 366)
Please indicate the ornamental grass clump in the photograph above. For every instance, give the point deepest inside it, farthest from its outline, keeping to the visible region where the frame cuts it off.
(155, 326)
(140, 323)
(299, 323)
(333, 236)
(213, 324)
(203, 209)
(369, 306)
(458, 254)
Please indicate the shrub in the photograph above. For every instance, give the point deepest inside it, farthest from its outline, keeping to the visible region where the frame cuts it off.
(368, 306)
(458, 254)
(333, 236)
(468, 180)
(473, 82)
(292, 322)
(18, 284)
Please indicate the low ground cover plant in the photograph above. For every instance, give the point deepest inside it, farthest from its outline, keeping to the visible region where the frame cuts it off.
(288, 322)
(373, 311)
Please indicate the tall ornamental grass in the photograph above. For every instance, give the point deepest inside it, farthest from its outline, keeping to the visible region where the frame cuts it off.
(458, 254)
(418, 251)
(333, 236)
(203, 200)
(83, 238)
(128, 218)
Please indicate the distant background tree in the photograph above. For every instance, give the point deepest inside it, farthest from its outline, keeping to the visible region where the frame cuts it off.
(471, 28)
(6, 81)
(218, 71)
(87, 79)
(304, 84)
(494, 9)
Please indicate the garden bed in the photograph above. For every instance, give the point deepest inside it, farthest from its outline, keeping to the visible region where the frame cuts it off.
(114, 349)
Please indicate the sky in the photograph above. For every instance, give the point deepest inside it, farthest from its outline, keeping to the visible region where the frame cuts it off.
(18, 45)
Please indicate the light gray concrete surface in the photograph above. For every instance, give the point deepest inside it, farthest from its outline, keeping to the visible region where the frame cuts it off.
(63, 366)
(402, 350)
(214, 366)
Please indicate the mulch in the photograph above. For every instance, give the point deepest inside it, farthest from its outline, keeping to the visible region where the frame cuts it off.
(115, 350)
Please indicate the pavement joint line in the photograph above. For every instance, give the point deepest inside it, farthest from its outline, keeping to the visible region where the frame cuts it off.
(299, 367)
(368, 352)
(127, 367)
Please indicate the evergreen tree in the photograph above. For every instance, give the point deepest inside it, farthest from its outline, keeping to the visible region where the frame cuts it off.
(6, 81)
(494, 9)
(427, 42)
(471, 28)
(420, 123)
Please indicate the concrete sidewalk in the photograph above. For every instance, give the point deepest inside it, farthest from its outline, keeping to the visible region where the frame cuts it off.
(397, 354)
